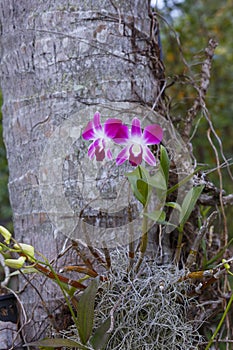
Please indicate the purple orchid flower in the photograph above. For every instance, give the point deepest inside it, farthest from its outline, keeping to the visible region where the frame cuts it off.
(101, 136)
(136, 143)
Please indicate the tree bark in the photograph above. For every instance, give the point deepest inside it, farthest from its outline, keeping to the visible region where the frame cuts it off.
(62, 59)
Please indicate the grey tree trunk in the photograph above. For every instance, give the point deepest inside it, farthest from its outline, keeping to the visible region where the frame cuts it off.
(60, 61)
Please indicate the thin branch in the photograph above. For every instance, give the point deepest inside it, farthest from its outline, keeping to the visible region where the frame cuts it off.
(21, 325)
(62, 279)
(95, 252)
(80, 269)
(51, 318)
(107, 256)
(82, 254)
(194, 249)
(221, 187)
(202, 89)
(206, 199)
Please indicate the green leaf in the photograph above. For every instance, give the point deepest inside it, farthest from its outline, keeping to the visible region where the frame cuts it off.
(101, 337)
(164, 163)
(143, 189)
(157, 216)
(173, 205)
(183, 181)
(140, 189)
(189, 203)
(85, 311)
(139, 173)
(158, 180)
(57, 342)
(25, 270)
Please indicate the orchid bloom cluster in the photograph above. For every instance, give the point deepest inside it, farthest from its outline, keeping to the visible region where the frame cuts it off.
(135, 140)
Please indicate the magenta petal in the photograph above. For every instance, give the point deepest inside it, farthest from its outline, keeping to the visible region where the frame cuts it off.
(89, 132)
(122, 156)
(136, 128)
(134, 159)
(122, 135)
(96, 121)
(111, 127)
(148, 156)
(91, 151)
(109, 154)
(153, 134)
(97, 143)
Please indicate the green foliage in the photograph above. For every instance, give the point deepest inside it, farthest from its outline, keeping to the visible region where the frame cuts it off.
(85, 307)
(85, 311)
(55, 343)
(138, 180)
(194, 24)
(227, 309)
(164, 163)
(157, 216)
(141, 181)
(189, 204)
(185, 36)
(101, 335)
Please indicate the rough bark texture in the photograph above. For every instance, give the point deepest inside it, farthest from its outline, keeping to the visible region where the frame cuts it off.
(60, 57)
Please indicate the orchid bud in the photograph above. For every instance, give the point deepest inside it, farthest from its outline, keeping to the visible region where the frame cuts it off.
(16, 263)
(26, 249)
(6, 234)
(225, 264)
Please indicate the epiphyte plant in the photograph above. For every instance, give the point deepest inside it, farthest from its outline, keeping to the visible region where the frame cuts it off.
(134, 140)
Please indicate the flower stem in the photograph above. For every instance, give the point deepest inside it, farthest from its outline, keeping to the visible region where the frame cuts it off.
(131, 242)
(144, 239)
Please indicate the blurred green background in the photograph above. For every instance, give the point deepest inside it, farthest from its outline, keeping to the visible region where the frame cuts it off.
(194, 23)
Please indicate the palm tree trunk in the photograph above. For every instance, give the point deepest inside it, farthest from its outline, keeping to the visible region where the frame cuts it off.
(60, 58)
